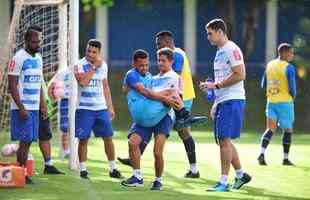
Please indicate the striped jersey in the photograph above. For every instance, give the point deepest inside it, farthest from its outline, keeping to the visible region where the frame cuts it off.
(91, 97)
(29, 69)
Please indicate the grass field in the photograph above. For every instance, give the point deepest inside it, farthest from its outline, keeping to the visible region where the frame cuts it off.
(272, 182)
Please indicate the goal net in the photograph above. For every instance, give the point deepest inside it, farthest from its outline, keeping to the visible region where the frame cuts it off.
(54, 19)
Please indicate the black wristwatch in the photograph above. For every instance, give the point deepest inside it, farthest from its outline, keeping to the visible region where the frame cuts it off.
(217, 86)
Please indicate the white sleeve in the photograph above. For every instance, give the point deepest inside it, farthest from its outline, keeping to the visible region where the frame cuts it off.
(15, 66)
(78, 68)
(105, 70)
(235, 56)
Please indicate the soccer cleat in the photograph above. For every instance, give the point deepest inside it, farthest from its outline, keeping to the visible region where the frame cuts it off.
(287, 162)
(115, 174)
(219, 187)
(84, 174)
(190, 174)
(132, 182)
(28, 180)
(157, 186)
(124, 161)
(50, 169)
(189, 121)
(261, 160)
(239, 182)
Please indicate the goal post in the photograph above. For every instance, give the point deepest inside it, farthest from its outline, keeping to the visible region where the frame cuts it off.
(59, 22)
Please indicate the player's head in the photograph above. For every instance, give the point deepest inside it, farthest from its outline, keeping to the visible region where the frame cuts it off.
(33, 38)
(164, 59)
(286, 52)
(93, 50)
(216, 30)
(164, 39)
(140, 59)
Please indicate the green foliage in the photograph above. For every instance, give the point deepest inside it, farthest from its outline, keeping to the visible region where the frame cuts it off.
(88, 4)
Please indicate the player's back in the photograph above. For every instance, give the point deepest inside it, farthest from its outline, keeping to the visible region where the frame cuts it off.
(277, 83)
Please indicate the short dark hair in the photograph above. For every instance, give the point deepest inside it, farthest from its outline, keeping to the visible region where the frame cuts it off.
(217, 24)
(284, 47)
(167, 35)
(94, 43)
(166, 52)
(140, 54)
(31, 29)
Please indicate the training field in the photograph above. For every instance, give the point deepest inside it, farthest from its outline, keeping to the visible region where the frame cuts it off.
(272, 182)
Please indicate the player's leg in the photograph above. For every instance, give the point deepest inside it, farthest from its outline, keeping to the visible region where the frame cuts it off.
(64, 126)
(161, 131)
(271, 124)
(45, 136)
(24, 131)
(137, 135)
(190, 147)
(84, 120)
(103, 128)
(286, 120)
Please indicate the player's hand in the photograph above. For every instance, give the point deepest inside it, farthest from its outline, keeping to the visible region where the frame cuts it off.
(98, 63)
(112, 113)
(213, 110)
(23, 113)
(206, 85)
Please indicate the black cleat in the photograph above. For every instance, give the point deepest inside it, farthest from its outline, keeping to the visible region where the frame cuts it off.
(115, 174)
(190, 174)
(51, 169)
(261, 160)
(84, 174)
(239, 182)
(287, 162)
(189, 121)
(124, 161)
(28, 180)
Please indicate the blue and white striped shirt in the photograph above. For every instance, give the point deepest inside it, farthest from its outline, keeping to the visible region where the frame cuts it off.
(30, 72)
(91, 97)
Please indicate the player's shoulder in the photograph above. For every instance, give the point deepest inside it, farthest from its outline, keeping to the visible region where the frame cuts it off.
(20, 54)
(172, 74)
(179, 52)
(231, 46)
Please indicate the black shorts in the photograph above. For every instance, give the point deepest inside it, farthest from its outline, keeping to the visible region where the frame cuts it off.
(45, 132)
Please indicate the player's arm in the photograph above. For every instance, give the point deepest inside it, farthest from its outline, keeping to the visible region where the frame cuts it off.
(290, 74)
(178, 62)
(108, 97)
(83, 78)
(43, 108)
(238, 74)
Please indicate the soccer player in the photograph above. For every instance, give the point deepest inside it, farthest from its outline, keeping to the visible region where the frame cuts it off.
(280, 84)
(181, 66)
(94, 106)
(63, 78)
(25, 76)
(228, 108)
(138, 80)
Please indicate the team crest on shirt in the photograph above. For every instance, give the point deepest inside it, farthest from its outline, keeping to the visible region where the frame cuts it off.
(237, 55)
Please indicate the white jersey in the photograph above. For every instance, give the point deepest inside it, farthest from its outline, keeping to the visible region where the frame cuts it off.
(226, 58)
(30, 72)
(64, 75)
(91, 97)
(168, 80)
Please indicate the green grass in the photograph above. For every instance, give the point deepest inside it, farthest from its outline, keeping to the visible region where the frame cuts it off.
(272, 182)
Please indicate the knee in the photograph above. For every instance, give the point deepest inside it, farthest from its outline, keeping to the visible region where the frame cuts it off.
(133, 143)
(224, 143)
(157, 154)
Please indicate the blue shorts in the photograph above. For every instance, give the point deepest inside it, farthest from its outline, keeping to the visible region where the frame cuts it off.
(64, 115)
(188, 105)
(25, 130)
(282, 113)
(163, 127)
(97, 121)
(228, 119)
(147, 112)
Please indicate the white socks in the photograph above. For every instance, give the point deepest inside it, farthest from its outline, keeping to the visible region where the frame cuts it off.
(239, 173)
(83, 166)
(137, 174)
(224, 179)
(159, 179)
(193, 168)
(112, 165)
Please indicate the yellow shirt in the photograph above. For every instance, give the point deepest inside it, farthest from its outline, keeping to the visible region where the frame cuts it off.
(186, 75)
(277, 83)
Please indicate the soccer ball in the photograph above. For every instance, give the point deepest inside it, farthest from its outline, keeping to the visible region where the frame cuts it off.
(9, 150)
(58, 89)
